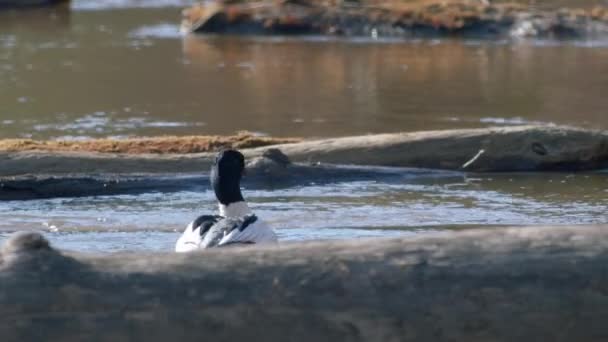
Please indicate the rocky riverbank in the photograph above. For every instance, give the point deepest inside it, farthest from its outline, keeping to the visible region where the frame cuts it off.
(526, 284)
(394, 18)
(27, 173)
(494, 149)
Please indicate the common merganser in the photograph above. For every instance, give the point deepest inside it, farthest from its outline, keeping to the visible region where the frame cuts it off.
(236, 223)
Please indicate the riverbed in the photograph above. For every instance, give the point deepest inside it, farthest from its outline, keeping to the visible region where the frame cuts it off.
(122, 69)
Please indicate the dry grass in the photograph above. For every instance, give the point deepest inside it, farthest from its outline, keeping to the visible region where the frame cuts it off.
(452, 14)
(158, 145)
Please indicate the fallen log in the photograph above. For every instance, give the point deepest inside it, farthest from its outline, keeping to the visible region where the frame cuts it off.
(528, 284)
(495, 149)
(397, 18)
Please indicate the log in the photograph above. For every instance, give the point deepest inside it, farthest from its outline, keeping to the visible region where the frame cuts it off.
(526, 284)
(519, 148)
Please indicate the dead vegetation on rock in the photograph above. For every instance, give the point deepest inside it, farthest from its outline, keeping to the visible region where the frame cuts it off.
(396, 18)
(492, 149)
(156, 145)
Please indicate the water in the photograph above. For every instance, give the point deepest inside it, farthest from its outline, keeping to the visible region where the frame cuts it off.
(120, 68)
(334, 211)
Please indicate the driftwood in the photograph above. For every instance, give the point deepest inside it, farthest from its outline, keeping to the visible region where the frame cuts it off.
(396, 18)
(521, 284)
(520, 148)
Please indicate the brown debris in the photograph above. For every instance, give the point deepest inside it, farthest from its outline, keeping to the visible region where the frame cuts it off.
(599, 13)
(392, 17)
(156, 145)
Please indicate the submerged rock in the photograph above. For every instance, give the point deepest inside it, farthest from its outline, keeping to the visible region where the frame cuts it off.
(520, 284)
(273, 163)
(396, 18)
(261, 172)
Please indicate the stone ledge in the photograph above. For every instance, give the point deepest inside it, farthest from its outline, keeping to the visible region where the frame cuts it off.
(547, 283)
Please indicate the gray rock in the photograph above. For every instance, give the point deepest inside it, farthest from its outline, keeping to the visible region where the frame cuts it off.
(521, 284)
(520, 148)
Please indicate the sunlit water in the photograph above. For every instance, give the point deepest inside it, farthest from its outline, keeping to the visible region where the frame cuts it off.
(120, 68)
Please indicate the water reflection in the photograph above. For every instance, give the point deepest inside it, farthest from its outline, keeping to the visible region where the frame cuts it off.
(124, 72)
(36, 19)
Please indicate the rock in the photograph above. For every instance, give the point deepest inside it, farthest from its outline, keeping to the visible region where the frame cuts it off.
(517, 148)
(49, 186)
(526, 284)
(273, 163)
(396, 18)
(25, 242)
(261, 172)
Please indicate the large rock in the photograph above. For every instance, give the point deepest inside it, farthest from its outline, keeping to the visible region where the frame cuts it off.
(520, 148)
(521, 284)
(392, 18)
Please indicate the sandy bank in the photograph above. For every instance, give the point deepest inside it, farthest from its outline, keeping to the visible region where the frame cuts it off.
(528, 284)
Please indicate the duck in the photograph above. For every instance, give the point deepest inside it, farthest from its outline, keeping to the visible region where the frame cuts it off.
(235, 224)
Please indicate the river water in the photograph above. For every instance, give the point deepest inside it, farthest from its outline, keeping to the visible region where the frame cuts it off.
(120, 68)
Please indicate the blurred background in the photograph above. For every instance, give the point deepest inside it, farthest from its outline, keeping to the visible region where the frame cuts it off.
(120, 68)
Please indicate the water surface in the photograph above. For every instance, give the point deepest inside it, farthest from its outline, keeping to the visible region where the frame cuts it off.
(120, 68)
(332, 211)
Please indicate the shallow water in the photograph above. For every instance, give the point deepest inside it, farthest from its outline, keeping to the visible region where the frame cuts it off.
(119, 68)
(334, 211)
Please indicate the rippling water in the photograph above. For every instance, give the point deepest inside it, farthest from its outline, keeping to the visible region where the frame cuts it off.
(343, 210)
(119, 68)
